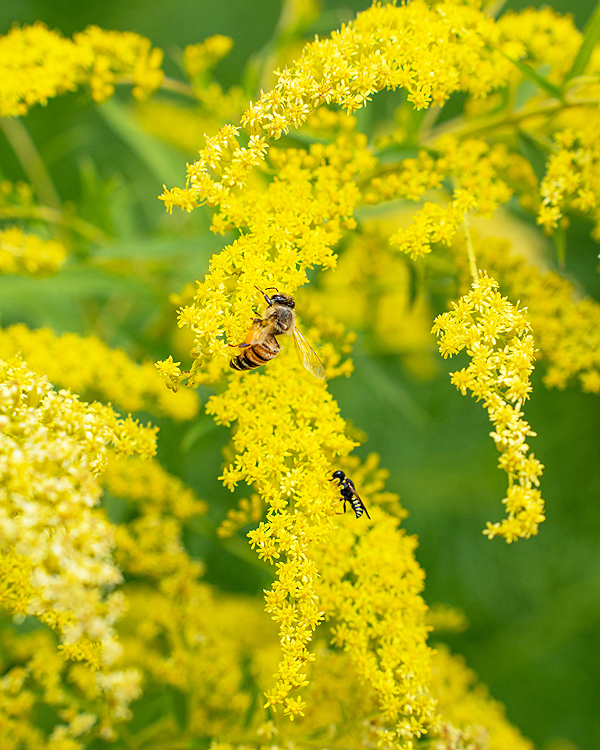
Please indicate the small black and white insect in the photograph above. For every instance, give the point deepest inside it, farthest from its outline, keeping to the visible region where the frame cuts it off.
(349, 494)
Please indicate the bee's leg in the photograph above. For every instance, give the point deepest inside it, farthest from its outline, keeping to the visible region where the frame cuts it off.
(237, 346)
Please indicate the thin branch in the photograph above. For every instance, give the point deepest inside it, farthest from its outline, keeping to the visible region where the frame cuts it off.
(26, 151)
(59, 218)
(460, 127)
(470, 251)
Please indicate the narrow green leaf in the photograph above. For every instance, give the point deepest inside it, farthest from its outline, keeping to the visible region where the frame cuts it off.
(534, 76)
(591, 35)
(166, 164)
(202, 426)
(415, 283)
(179, 706)
(560, 242)
(535, 152)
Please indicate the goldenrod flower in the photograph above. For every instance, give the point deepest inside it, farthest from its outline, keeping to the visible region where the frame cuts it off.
(201, 57)
(38, 64)
(86, 364)
(497, 337)
(28, 253)
(56, 561)
(565, 325)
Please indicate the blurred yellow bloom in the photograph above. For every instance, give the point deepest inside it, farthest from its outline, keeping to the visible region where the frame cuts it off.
(56, 562)
(87, 365)
(38, 64)
(28, 253)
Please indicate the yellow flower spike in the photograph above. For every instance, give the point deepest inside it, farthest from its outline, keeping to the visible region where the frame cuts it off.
(292, 226)
(473, 167)
(566, 327)
(384, 47)
(497, 337)
(57, 561)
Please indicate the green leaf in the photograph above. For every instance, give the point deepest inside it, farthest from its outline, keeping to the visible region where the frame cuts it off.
(152, 248)
(591, 35)
(166, 163)
(179, 706)
(560, 242)
(56, 301)
(534, 152)
(534, 76)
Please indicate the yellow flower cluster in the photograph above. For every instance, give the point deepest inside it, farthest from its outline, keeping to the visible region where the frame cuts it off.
(471, 165)
(291, 226)
(385, 47)
(497, 338)
(29, 253)
(566, 328)
(541, 36)
(284, 446)
(200, 58)
(37, 64)
(369, 586)
(56, 562)
(572, 179)
(120, 56)
(84, 700)
(88, 365)
(142, 480)
(176, 629)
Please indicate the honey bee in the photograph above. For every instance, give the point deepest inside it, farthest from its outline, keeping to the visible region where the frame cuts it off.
(349, 494)
(261, 344)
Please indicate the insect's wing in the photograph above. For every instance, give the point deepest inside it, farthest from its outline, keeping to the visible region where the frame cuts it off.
(307, 356)
(256, 335)
(357, 496)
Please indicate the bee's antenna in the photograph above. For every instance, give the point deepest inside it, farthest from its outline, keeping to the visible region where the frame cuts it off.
(264, 294)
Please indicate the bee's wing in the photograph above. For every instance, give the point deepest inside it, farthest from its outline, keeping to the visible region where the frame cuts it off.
(357, 496)
(256, 335)
(307, 356)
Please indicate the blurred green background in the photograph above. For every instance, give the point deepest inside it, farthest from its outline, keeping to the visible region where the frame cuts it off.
(534, 606)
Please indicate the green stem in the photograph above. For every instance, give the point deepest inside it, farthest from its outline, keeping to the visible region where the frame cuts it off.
(461, 128)
(179, 87)
(168, 84)
(560, 241)
(53, 216)
(31, 161)
(470, 251)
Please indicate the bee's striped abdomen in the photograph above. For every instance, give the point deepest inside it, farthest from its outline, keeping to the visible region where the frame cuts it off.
(256, 355)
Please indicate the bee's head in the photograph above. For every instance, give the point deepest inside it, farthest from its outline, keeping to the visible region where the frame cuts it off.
(338, 475)
(283, 299)
(278, 298)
